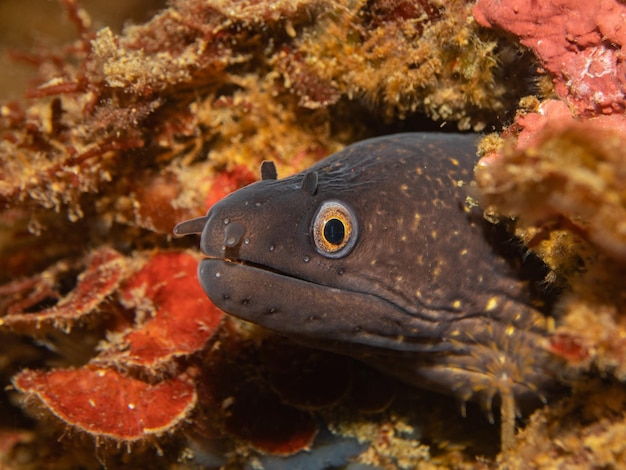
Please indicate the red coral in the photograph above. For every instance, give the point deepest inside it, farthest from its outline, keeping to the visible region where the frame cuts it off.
(422, 11)
(98, 398)
(153, 196)
(181, 318)
(104, 403)
(570, 348)
(102, 275)
(557, 115)
(227, 182)
(579, 41)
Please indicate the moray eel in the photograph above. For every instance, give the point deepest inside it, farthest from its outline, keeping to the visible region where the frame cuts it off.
(377, 253)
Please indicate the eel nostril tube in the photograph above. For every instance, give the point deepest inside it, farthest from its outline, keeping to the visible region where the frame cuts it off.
(233, 234)
(191, 226)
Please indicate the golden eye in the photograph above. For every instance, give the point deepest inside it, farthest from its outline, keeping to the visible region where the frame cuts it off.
(334, 229)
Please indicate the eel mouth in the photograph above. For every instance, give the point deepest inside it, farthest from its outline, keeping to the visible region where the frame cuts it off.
(305, 309)
(234, 261)
(235, 284)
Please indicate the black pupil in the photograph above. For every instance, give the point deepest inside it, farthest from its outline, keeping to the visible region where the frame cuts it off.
(334, 231)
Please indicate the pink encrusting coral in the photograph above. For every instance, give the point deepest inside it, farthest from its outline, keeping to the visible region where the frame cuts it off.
(579, 42)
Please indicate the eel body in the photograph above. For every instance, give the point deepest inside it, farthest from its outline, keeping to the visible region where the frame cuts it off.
(377, 253)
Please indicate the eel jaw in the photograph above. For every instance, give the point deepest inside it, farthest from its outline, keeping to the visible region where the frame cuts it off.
(302, 309)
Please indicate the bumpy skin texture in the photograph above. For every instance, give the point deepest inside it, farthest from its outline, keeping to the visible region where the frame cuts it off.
(431, 292)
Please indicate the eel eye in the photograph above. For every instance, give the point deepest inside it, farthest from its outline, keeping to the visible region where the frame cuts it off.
(334, 229)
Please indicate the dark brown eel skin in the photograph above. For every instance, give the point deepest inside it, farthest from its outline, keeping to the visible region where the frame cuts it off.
(377, 253)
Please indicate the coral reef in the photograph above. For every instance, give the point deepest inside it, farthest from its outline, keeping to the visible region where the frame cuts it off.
(558, 170)
(122, 135)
